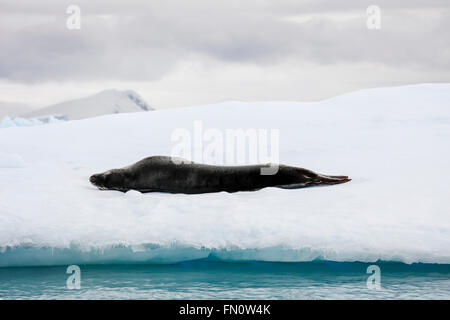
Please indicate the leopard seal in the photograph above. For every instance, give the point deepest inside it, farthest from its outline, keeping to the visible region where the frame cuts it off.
(163, 174)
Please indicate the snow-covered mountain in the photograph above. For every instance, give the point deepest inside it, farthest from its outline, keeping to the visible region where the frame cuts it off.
(102, 103)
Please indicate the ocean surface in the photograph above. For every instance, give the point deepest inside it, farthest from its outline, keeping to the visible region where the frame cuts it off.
(203, 279)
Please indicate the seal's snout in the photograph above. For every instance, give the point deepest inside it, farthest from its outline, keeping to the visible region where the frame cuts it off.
(98, 180)
(94, 179)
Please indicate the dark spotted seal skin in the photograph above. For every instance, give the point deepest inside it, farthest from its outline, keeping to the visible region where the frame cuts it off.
(162, 174)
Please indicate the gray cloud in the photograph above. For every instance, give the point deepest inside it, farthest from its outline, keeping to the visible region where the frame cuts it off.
(141, 40)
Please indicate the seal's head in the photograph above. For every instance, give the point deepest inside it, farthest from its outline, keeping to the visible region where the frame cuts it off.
(111, 179)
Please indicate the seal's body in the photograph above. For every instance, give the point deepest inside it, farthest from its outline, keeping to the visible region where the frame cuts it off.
(166, 174)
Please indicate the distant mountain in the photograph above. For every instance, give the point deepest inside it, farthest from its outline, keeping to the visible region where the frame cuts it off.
(102, 103)
(12, 109)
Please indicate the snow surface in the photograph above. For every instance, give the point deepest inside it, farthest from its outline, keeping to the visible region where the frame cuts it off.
(393, 143)
(11, 161)
(105, 102)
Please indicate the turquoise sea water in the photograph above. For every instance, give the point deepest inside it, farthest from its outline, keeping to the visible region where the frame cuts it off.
(203, 279)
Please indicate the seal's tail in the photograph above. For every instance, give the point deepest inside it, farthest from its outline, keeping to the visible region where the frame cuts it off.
(317, 180)
(328, 180)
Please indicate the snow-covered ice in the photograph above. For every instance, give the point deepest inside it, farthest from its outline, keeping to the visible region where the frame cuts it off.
(393, 143)
(7, 122)
(11, 161)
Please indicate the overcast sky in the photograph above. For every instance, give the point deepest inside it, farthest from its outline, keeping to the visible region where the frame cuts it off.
(179, 52)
